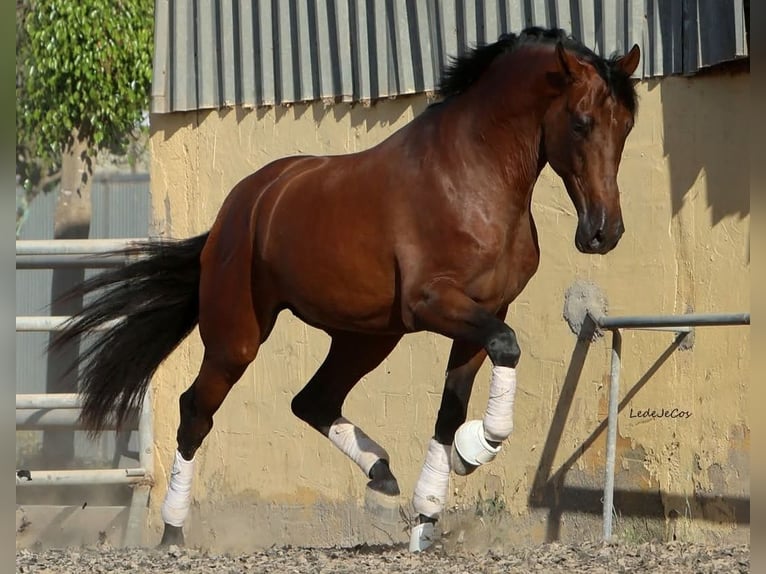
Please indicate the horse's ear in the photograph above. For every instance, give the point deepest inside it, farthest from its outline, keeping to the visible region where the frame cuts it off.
(570, 64)
(629, 62)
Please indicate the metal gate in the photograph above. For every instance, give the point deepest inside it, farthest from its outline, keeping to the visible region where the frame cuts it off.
(61, 410)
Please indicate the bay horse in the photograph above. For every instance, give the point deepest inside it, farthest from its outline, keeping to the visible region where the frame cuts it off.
(430, 230)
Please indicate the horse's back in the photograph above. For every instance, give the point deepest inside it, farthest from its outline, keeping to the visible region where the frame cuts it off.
(315, 231)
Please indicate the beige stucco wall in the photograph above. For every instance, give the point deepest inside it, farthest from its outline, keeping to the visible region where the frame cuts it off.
(264, 477)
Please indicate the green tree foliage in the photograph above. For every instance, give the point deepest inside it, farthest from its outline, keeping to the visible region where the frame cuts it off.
(82, 67)
(84, 70)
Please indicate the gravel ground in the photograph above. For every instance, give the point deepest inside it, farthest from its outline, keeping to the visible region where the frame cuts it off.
(594, 558)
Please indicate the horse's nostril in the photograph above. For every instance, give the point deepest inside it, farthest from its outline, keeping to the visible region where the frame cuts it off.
(598, 239)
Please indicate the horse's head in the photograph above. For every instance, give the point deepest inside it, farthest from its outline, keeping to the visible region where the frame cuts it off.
(584, 133)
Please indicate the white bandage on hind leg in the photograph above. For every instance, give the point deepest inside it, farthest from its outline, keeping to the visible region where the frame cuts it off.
(178, 498)
(432, 488)
(498, 418)
(354, 443)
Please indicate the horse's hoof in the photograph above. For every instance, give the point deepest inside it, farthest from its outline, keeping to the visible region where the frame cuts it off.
(387, 487)
(458, 465)
(383, 480)
(422, 537)
(172, 535)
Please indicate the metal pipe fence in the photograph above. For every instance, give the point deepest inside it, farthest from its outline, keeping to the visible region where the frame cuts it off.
(61, 411)
(680, 324)
(31, 324)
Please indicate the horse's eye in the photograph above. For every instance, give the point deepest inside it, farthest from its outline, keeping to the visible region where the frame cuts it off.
(581, 125)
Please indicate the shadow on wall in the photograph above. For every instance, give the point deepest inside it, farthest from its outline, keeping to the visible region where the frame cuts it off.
(361, 115)
(550, 489)
(706, 125)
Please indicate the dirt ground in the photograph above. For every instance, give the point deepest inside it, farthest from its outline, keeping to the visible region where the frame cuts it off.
(593, 558)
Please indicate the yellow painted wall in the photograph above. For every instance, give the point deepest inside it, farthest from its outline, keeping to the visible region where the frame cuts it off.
(264, 477)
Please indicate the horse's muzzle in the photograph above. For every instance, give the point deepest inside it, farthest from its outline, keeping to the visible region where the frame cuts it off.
(598, 236)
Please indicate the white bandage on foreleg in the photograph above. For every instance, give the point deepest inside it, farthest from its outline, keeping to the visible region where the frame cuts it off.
(354, 443)
(432, 488)
(178, 498)
(498, 418)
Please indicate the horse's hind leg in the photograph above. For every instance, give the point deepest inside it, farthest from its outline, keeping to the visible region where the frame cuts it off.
(197, 404)
(351, 356)
(232, 331)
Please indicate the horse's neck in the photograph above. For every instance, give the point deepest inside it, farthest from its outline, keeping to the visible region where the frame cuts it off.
(504, 115)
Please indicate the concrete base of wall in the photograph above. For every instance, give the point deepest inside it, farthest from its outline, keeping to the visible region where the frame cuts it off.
(247, 525)
(242, 525)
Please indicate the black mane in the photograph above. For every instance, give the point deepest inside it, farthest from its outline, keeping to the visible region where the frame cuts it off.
(465, 70)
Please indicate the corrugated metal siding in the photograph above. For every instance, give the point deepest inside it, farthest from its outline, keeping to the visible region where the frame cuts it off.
(121, 208)
(218, 53)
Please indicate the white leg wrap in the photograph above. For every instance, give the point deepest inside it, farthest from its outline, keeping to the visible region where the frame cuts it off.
(354, 443)
(177, 500)
(498, 418)
(432, 488)
(472, 437)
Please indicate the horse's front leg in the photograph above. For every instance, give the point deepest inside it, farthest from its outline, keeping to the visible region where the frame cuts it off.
(458, 445)
(432, 487)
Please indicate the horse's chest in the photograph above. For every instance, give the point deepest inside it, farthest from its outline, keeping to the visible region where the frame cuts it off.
(520, 264)
(504, 276)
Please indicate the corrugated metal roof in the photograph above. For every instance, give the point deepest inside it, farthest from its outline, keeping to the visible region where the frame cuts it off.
(218, 53)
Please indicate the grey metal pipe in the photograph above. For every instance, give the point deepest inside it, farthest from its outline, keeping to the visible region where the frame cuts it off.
(71, 246)
(70, 261)
(611, 433)
(146, 435)
(655, 321)
(140, 499)
(83, 477)
(37, 419)
(665, 329)
(134, 529)
(43, 419)
(678, 323)
(53, 323)
(52, 401)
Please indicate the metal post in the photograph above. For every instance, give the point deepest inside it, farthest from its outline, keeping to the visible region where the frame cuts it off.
(611, 434)
(140, 500)
(682, 325)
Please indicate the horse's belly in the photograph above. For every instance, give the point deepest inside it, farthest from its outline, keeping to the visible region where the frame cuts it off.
(332, 298)
(336, 278)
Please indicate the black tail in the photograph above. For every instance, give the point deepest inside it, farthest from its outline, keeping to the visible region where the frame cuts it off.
(158, 297)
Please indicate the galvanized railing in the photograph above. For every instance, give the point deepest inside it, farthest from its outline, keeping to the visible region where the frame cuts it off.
(61, 411)
(680, 324)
